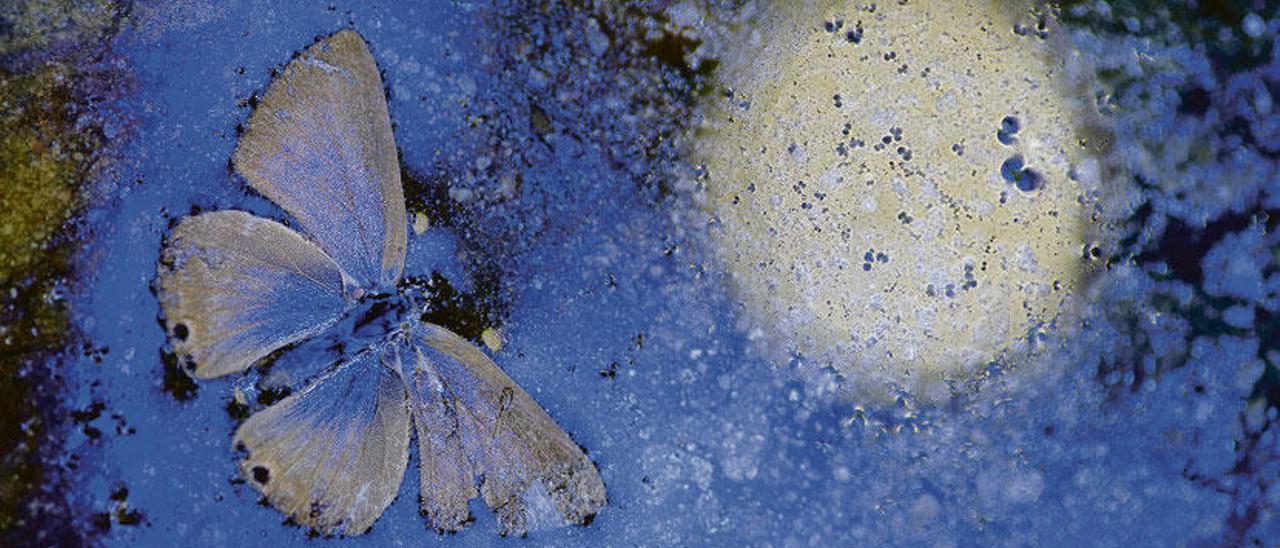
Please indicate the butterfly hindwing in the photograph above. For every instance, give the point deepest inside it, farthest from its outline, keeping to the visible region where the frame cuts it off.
(333, 455)
(475, 423)
(446, 481)
(235, 287)
(320, 145)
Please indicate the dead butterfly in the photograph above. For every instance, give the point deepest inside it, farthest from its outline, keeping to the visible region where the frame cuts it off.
(235, 287)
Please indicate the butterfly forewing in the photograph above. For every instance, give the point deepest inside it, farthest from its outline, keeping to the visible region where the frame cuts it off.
(333, 455)
(235, 287)
(478, 425)
(320, 145)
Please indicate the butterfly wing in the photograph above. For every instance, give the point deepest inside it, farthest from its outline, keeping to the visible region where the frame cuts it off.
(320, 145)
(473, 421)
(333, 455)
(235, 287)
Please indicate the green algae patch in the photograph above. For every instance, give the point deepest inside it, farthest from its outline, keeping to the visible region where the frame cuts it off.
(51, 148)
(39, 173)
(44, 25)
(44, 159)
(37, 199)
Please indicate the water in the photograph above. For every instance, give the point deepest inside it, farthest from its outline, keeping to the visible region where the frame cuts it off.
(541, 146)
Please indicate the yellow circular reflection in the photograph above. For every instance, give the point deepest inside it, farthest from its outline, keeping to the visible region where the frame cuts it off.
(901, 189)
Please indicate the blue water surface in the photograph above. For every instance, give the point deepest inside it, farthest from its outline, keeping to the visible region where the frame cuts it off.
(617, 322)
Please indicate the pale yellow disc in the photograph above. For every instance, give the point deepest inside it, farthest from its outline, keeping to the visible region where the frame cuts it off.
(879, 139)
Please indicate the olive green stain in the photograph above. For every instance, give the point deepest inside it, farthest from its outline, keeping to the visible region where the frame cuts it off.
(34, 25)
(39, 174)
(47, 152)
(42, 160)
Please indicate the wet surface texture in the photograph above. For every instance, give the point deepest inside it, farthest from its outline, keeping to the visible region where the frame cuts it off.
(573, 176)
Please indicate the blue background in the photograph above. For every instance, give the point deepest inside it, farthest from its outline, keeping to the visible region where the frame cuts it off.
(1139, 431)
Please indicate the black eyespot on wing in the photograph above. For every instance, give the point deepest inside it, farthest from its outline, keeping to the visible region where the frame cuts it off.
(261, 475)
(180, 331)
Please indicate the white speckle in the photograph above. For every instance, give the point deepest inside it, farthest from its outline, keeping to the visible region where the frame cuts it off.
(1025, 487)
(460, 195)
(1262, 103)
(1027, 259)
(925, 508)
(830, 180)
(1254, 26)
(842, 473)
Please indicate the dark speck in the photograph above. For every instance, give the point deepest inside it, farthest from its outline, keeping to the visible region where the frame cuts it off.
(271, 395)
(261, 475)
(237, 411)
(1008, 128)
(129, 517)
(1194, 101)
(175, 381)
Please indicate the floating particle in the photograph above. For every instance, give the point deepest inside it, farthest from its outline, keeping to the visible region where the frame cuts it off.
(421, 223)
(1008, 128)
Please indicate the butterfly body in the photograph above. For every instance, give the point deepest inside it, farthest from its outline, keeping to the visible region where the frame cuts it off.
(235, 288)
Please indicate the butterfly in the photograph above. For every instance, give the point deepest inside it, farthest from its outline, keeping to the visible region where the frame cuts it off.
(235, 288)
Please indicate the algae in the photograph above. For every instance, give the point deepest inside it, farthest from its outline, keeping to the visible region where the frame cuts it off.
(51, 143)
